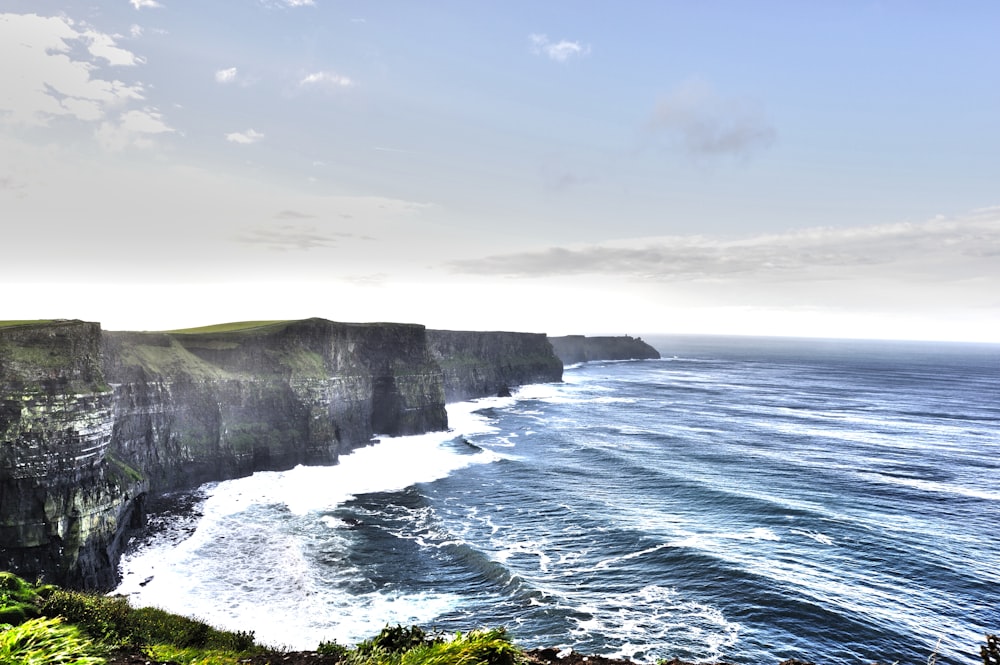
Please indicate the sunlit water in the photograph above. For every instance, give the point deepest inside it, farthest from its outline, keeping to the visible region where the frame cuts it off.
(741, 499)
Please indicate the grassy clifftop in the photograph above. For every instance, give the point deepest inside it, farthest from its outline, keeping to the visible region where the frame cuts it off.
(235, 326)
(51, 355)
(34, 322)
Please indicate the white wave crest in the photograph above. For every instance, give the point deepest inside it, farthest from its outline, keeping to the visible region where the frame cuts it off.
(246, 562)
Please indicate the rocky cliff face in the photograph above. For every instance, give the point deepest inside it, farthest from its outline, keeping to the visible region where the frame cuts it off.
(64, 499)
(196, 407)
(480, 364)
(577, 348)
(91, 422)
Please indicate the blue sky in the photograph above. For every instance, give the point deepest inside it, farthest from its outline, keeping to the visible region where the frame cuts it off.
(726, 167)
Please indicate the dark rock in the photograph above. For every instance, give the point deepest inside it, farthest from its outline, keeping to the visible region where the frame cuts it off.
(208, 406)
(65, 501)
(91, 421)
(573, 349)
(482, 364)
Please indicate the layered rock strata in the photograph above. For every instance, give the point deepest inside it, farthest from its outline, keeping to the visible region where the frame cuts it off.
(573, 349)
(481, 364)
(91, 422)
(64, 498)
(196, 407)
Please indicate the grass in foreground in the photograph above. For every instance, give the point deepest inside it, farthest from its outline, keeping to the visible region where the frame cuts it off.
(43, 624)
(46, 625)
(397, 645)
(47, 642)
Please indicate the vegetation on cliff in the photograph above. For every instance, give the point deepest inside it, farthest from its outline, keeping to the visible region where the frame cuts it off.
(226, 327)
(42, 624)
(91, 422)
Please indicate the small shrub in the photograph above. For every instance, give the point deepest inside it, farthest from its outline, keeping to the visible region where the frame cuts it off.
(388, 647)
(339, 651)
(478, 647)
(151, 625)
(240, 640)
(16, 613)
(396, 639)
(47, 642)
(13, 586)
(102, 617)
(18, 600)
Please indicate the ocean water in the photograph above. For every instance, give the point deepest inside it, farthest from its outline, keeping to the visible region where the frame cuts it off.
(741, 499)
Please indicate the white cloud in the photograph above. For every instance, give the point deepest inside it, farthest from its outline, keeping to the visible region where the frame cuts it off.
(327, 79)
(103, 46)
(940, 262)
(145, 4)
(135, 31)
(560, 51)
(244, 138)
(226, 75)
(286, 237)
(132, 129)
(279, 4)
(55, 79)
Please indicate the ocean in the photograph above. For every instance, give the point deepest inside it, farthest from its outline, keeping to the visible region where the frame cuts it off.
(741, 499)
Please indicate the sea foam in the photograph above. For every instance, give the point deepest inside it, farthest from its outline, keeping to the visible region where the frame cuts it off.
(248, 561)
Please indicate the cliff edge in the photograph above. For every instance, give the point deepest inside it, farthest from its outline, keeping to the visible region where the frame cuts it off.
(65, 499)
(483, 364)
(191, 407)
(572, 349)
(92, 421)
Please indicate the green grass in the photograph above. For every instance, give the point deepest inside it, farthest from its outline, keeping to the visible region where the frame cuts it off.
(76, 628)
(131, 473)
(478, 647)
(169, 359)
(235, 326)
(48, 642)
(53, 624)
(113, 621)
(27, 322)
(397, 645)
(56, 626)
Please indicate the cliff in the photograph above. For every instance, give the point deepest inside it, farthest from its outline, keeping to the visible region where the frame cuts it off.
(577, 348)
(93, 421)
(64, 498)
(194, 407)
(481, 364)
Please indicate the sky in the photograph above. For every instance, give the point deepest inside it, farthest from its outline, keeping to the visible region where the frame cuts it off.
(825, 169)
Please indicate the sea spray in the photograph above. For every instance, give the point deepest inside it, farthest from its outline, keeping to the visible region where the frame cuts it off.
(246, 563)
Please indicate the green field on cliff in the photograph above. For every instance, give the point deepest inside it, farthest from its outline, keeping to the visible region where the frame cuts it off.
(34, 322)
(235, 326)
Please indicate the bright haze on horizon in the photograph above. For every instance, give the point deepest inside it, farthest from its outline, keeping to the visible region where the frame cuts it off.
(771, 168)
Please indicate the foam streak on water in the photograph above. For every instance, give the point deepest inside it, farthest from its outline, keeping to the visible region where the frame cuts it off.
(745, 500)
